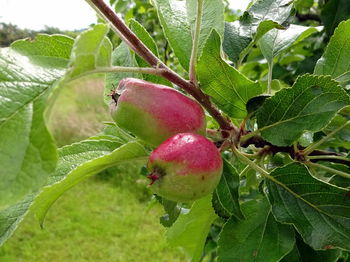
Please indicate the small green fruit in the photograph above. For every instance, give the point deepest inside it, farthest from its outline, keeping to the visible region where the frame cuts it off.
(185, 167)
(155, 112)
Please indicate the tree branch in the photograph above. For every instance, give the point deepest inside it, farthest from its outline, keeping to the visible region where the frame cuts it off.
(259, 142)
(306, 17)
(141, 49)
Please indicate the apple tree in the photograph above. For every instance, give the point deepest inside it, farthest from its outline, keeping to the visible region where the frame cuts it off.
(257, 107)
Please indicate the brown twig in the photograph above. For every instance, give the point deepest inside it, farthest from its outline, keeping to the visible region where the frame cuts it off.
(259, 142)
(141, 49)
(307, 17)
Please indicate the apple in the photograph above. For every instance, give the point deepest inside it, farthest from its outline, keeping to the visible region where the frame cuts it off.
(155, 112)
(185, 167)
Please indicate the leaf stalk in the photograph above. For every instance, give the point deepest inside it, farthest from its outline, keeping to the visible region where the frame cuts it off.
(269, 78)
(332, 157)
(313, 146)
(195, 45)
(250, 163)
(329, 169)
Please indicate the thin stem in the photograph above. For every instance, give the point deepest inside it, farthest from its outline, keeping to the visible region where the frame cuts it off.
(225, 145)
(244, 53)
(195, 44)
(329, 169)
(265, 174)
(249, 135)
(240, 61)
(259, 169)
(269, 78)
(250, 163)
(123, 69)
(244, 171)
(329, 157)
(255, 155)
(295, 147)
(313, 146)
(143, 51)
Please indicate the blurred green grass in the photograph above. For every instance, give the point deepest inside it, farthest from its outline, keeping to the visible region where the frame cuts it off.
(106, 218)
(79, 111)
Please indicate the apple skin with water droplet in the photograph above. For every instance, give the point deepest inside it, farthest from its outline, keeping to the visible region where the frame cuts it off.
(185, 167)
(155, 112)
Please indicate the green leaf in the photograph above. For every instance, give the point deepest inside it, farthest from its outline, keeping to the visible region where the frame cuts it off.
(342, 137)
(341, 181)
(304, 253)
(110, 138)
(172, 212)
(276, 41)
(80, 161)
(121, 56)
(261, 17)
(333, 13)
(309, 254)
(309, 105)
(293, 256)
(240, 37)
(229, 89)
(213, 18)
(336, 59)
(190, 230)
(145, 37)
(258, 238)
(177, 19)
(256, 102)
(51, 51)
(28, 154)
(330, 177)
(91, 49)
(275, 10)
(319, 211)
(237, 36)
(218, 207)
(303, 5)
(114, 133)
(227, 191)
(261, 30)
(12, 216)
(344, 79)
(173, 19)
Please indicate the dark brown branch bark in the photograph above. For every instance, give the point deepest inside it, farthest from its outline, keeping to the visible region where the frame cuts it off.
(139, 48)
(306, 17)
(261, 143)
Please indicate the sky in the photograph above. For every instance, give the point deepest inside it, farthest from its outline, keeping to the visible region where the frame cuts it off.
(63, 14)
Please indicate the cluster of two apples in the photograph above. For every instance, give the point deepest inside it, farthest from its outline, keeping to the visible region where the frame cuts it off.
(185, 165)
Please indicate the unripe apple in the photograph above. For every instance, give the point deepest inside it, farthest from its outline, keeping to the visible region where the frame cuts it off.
(155, 112)
(185, 167)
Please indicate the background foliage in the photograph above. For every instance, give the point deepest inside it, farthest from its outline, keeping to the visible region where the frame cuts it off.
(299, 48)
